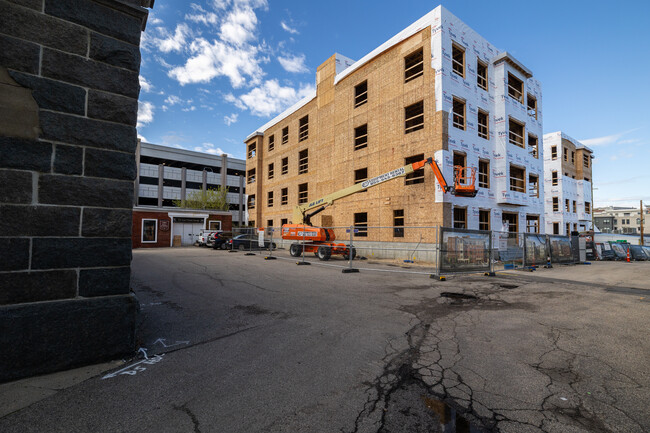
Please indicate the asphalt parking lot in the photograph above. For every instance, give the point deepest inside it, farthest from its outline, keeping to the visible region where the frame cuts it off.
(236, 343)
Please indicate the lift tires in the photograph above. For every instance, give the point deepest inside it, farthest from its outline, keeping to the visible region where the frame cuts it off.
(295, 250)
(324, 253)
(353, 253)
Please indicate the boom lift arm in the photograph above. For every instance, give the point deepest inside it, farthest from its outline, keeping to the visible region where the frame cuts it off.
(463, 186)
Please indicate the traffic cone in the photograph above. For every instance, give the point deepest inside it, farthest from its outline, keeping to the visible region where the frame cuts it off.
(628, 254)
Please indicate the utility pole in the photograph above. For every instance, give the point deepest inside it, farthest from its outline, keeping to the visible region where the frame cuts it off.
(641, 219)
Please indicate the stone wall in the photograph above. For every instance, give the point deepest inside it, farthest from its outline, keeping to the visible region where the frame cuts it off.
(68, 106)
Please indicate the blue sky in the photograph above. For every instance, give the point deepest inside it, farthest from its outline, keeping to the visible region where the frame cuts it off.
(213, 71)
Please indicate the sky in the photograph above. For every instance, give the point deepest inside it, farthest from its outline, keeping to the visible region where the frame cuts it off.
(213, 71)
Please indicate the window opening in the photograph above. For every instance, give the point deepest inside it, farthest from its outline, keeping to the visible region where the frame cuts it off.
(285, 165)
(284, 196)
(418, 175)
(398, 223)
(517, 179)
(460, 217)
(303, 129)
(303, 161)
(414, 117)
(458, 60)
(516, 132)
(360, 94)
(483, 124)
(413, 65)
(515, 88)
(361, 224)
(303, 193)
(481, 74)
(484, 220)
(285, 135)
(483, 173)
(361, 137)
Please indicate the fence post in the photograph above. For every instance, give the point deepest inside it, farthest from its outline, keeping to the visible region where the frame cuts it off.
(250, 248)
(437, 275)
(350, 269)
(490, 272)
(270, 256)
(232, 243)
(303, 262)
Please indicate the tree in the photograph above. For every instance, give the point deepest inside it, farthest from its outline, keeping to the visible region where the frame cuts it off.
(213, 198)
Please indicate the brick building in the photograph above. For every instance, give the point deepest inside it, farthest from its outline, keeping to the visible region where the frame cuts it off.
(69, 90)
(568, 184)
(436, 89)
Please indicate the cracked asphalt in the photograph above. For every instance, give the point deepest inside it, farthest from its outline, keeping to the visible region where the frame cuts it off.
(239, 344)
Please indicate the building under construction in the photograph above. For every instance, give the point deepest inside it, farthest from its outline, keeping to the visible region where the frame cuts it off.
(436, 89)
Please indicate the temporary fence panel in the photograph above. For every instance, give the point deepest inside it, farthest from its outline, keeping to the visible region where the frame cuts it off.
(508, 249)
(535, 249)
(561, 249)
(463, 250)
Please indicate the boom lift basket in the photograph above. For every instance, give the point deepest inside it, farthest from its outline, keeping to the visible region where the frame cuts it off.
(464, 178)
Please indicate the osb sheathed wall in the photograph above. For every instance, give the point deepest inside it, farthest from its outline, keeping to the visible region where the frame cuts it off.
(333, 160)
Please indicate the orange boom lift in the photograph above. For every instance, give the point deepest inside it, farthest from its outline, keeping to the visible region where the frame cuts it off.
(320, 240)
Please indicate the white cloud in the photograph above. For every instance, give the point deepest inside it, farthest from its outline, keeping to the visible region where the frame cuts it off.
(239, 26)
(270, 98)
(229, 120)
(145, 85)
(294, 63)
(192, 108)
(173, 100)
(175, 42)
(607, 139)
(143, 138)
(145, 113)
(288, 29)
(201, 16)
(209, 148)
(210, 60)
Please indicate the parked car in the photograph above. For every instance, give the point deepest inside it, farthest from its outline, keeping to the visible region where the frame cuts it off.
(605, 252)
(203, 237)
(637, 253)
(220, 240)
(249, 242)
(646, 250)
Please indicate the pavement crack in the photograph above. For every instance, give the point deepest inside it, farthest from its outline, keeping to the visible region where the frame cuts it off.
(195, 421)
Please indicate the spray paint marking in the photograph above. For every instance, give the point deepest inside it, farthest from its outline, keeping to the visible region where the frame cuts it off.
(162, 341)
(136, 368)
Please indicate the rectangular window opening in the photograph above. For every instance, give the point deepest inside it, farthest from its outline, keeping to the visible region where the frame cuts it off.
(251, 150)
(554, 178)
(303, 193)
(484, 219)
(303, 161)
(517, 179)
(361, 224)
(360, 94)
(460, 217)
(418, 175)
(361, 175)
(515, 88)
(269, 199)
(533, 185)
(251, 201)
(285, 135)
(481, 74)
(271, 142)
(398, 223)
(303, 129)
(532, 223)
(414, 117)
(533, 147)
(556, 204)
(284, 196)
(285, 165)
(553, 153)
(516, 132)
(531, 105)
(458, 115)
(483, 173)
(483, 124)
(361, 137)
(413, 65)
(556, 228)
(149, 231)
(271, 171)
(251, 176)
(458, 60)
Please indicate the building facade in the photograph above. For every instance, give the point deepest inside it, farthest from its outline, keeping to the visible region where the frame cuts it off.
(568, 184)
(436, 89)
(166, 174)
(623, 220)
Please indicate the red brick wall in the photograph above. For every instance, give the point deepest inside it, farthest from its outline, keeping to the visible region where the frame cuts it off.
(164, 237)
(226, 221)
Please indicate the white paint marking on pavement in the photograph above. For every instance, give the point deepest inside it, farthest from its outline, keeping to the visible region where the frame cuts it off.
(162, 341)
(134, 369)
